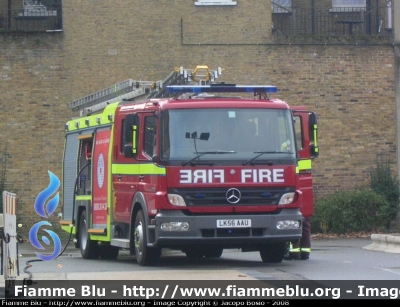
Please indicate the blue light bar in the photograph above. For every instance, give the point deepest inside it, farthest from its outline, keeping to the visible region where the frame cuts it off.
(217, 88)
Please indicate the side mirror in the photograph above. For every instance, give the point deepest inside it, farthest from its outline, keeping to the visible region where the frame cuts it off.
(128, 152)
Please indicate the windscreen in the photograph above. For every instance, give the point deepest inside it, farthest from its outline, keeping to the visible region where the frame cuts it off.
(226, 134)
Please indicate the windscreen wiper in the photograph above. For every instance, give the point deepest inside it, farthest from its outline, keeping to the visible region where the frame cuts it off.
(199, 154)
(260, 153)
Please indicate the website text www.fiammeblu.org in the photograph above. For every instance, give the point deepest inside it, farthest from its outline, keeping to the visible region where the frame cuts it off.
(227, 292)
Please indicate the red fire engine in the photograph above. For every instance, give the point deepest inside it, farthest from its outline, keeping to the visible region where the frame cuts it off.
(187, 164)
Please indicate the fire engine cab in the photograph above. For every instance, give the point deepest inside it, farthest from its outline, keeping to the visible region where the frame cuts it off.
(187, 163)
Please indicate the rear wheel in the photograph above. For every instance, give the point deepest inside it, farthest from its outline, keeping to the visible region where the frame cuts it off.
(144, 255)
(273, 253)
(89, 249)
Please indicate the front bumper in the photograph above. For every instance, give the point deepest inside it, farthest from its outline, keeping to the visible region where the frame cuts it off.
(203, 229)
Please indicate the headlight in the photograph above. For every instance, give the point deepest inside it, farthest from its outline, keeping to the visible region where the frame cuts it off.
(287, 198)
(175, 226)
(176, 200)
(288, 224)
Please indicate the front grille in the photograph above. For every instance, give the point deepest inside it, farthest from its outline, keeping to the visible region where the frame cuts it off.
(217, 196)
(232, 232)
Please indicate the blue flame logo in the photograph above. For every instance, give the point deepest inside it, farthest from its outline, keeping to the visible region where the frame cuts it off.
(45, 211)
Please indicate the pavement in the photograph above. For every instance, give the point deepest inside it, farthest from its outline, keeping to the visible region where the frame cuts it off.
(389, 243)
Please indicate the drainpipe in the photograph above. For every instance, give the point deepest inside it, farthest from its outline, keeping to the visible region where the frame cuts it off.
(396, 32)
(9, 15)
(389, 15)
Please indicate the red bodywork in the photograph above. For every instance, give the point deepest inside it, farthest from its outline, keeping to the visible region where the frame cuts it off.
(154, 187)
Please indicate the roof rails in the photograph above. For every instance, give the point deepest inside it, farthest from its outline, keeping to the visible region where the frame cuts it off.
(131, 89)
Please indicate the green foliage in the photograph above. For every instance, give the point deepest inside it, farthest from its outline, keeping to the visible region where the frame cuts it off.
(351, 211)
(383, 182)
(363, 209)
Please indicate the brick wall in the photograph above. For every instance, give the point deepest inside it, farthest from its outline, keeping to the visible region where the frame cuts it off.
(351, 87)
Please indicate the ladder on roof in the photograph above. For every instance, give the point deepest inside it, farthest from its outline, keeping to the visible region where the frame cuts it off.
(131, 89)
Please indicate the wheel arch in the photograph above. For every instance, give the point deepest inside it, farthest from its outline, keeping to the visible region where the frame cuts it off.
(138, 203)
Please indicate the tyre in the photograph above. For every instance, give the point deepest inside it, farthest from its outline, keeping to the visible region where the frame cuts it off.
(304, 255)
(193, 253)
(89, 249)
(273, 253)
(213, 252)
(144, 255)
(109, 252)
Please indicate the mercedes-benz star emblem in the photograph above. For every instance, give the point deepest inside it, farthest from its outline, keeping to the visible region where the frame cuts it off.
(233, 196)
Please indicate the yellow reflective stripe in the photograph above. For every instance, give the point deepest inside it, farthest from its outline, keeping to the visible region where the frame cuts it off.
(306, 250)
(294, 250)
(125, 168)
(105, 118)
(83, 197)
(305, 164)
(152, 169)
(136, 169)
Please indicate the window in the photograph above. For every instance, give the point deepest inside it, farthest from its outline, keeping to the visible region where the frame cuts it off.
(36, 15)
(150, 136)
(299, 132)
(215, 2)
(348, 5)
(36, 8)
(281, 6)
(85, 176)
(232, 134)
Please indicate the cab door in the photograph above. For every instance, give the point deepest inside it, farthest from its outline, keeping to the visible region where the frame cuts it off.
(125, 167)
(306, 137)
(149, 171)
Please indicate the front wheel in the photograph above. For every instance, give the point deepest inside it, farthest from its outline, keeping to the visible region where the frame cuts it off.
(193, 253)
(273, 252)
(89, 249)
(144, 255)
(213, 252)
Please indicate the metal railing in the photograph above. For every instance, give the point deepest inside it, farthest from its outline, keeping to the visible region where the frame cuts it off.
(294, 18)
(34, 17)
(315, 19)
